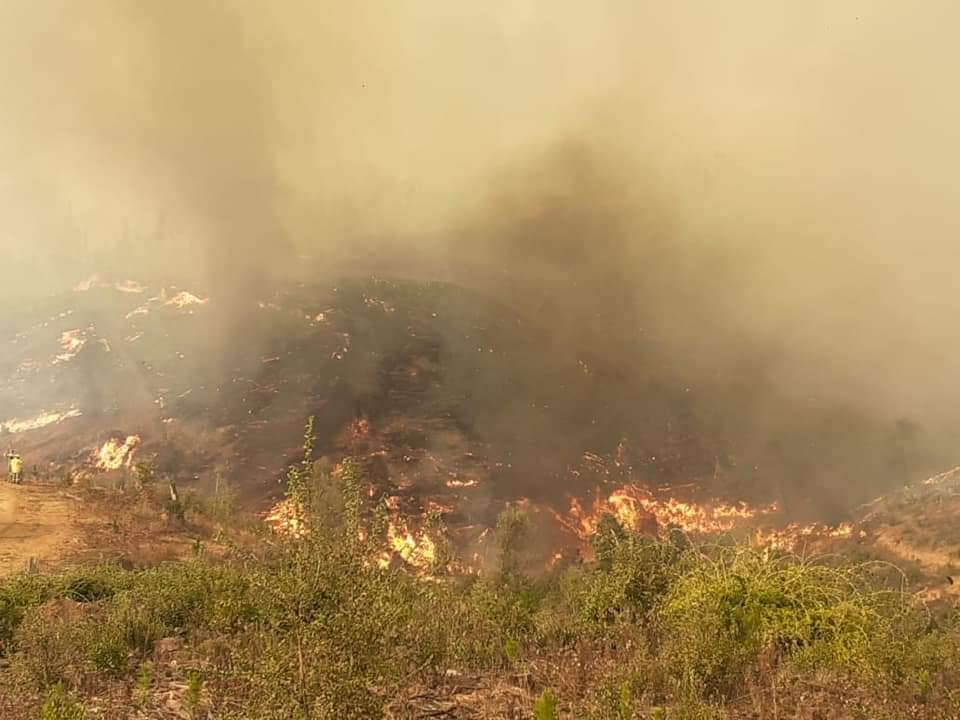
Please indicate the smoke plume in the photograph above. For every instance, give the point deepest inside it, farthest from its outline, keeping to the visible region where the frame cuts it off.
(759, 196)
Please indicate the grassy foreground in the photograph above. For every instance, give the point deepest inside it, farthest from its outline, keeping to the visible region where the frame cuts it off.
(314, 628)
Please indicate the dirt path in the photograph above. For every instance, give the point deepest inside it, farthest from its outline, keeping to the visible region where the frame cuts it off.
(35, 522)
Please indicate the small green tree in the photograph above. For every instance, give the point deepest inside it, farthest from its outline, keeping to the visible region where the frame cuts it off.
(351, 480)
(298, 476)
(512, 529)
(144, 683)
(547, 707)
(194, 689)
(145, 474)
(59, 706)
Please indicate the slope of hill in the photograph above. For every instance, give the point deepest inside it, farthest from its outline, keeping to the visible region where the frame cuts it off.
(457, 404)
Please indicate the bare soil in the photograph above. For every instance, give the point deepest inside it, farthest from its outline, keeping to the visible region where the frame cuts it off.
(37, 523)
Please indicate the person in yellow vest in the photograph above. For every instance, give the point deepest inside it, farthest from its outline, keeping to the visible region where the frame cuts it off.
(16, 468)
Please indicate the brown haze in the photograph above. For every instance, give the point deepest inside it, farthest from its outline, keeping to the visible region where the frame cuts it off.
(765, 190)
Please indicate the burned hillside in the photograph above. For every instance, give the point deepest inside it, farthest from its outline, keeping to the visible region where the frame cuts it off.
(458, 404)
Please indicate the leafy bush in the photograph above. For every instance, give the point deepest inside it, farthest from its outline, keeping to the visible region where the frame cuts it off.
(17, 595)
(547, 707)
(731, 609)
(632, 575)
(59, 706)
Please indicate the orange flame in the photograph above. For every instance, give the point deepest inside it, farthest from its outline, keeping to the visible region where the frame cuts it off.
(472, 482)
(793, 536)
(115, 455)
(638, 509)
(420, 551)
(286, 518)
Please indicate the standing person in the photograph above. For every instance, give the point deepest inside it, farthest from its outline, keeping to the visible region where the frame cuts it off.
(16, 468)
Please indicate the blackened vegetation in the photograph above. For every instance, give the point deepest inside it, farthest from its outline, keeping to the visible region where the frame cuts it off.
(435, 369)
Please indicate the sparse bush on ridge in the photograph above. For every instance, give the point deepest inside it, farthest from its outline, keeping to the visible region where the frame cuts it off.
(314, 628)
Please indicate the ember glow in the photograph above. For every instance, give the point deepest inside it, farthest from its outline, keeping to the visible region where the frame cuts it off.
(115, 454)
(638, 509)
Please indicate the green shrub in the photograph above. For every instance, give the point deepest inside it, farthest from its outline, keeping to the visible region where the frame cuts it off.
(729, 610)
(194, 688)
(632, 576)
(59, 706)
(17, 595)
(547, 707)
(145, 474)
(21, 593)
(108, 650)
(144, 683)
(513, 526)
(92, 587)
(184, 596)
(49, 650)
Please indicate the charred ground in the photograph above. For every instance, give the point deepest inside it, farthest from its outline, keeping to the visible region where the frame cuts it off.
(448, 380)
(461, 402)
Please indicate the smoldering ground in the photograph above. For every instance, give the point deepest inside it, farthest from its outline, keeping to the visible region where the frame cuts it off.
(750, 205)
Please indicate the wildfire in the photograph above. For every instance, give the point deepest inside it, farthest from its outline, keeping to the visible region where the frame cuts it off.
(455, 483)
(941, 477)
(359, 430)
(115, 454)
(41, 421)
(181, 300)
(793, 536)
(344, 348)
(418, 551)
(129, 286)
(184, 299)
(286, 518)
(373, 302)
(638, 509)
(71, 342)
(95, 281)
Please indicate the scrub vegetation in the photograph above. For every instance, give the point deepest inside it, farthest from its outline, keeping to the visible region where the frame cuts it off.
(315, 627)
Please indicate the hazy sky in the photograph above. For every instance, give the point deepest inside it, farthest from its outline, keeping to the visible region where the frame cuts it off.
(780, 172)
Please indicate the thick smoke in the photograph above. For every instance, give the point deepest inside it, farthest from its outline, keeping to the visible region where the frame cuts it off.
(763, 193)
